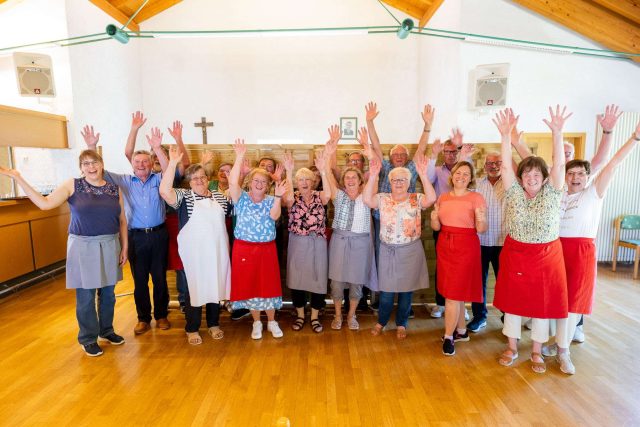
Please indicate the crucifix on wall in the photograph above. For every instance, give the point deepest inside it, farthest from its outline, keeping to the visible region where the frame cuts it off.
(204, 124)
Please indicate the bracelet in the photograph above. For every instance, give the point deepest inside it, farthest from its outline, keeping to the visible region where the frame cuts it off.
(607, 132)
(277, 197)
(426, 130)
(635, 137)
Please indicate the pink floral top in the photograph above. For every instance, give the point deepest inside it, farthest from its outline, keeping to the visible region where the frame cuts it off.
(400, 222)
(307, 219)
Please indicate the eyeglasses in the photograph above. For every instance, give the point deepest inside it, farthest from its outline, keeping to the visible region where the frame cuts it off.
(399, 180)
(491, 164)
(258, 181)
(450, 153)
(199, 178)
(356, 161)
(87, 163)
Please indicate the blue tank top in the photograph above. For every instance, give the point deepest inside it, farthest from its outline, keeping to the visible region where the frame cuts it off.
(95, 211)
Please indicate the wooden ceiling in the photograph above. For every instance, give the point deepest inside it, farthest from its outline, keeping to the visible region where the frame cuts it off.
(122, 10)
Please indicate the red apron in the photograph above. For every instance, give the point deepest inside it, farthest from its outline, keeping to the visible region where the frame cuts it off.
(174, 262)
(532, 281)
(580, 264)
(255, 272)
(458, 263)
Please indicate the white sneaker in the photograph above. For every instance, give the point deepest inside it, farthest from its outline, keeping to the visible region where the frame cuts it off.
(256, 333)
(566, 365)
(578, 336)
(549, 350)
(466, 315)
(272, 326)
(437, 311)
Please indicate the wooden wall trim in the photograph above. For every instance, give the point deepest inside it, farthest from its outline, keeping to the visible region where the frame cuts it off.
(27, 128)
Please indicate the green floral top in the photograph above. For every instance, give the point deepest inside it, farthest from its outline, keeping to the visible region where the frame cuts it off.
(534, 220)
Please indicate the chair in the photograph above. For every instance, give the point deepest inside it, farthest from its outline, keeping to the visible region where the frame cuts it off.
(627, 222)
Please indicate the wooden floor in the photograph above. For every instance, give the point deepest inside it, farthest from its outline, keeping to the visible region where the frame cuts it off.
(338, 378)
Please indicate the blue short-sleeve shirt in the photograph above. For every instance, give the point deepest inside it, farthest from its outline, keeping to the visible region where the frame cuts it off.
(253, 220)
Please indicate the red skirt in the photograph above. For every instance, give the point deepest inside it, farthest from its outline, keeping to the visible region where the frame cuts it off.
(173, 262)
(580, 265)
(458, 263)
(532, 281)
(255, 272)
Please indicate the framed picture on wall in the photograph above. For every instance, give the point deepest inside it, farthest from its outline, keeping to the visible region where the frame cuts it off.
(348, 127)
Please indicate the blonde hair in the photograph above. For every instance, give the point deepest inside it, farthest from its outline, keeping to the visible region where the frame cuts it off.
(254, 172)
(305, 173)
(472, 183)
(357, 171)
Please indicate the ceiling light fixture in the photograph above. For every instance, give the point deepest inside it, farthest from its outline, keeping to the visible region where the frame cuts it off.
(405, 28)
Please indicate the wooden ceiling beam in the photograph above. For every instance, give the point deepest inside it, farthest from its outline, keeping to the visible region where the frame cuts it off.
(110, 10)
(630, 9)
(435, 4)
(153, 8)
(590, 20)
(408, 8)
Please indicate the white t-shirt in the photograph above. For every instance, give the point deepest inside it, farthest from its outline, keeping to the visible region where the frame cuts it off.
(580, 213)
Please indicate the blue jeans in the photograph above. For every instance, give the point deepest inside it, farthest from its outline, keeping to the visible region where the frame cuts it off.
(181, 285)
(489, 254)
(94, 323)
(386, 306)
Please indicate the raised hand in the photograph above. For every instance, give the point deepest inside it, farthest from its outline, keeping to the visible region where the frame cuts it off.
(281, 187)
(155, 140)
(288, 161)
(331, 147)
(557, 119)
(246, 167)
(90, 138)
(11, 173)
(456, 136)
(427, 116)
(176, 130)
(334, 133)
(239, 147)
(137, 120)
(363, 140)
(467, 151)
(207, 156)
(505, 121)
(422, 162)
(175, 154)
(371, 110)
(437, 147)
(609, 118)
(374, 167)
(320, 160)
(277, 174)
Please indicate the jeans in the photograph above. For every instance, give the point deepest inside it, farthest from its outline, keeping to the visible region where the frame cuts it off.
(489, 254)
(386, 306)
(439, 297)
(94, 323)
(181, 285)
(148, 256)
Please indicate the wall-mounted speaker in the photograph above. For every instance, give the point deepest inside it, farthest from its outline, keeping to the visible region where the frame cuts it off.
(488, 86)
(34, 74)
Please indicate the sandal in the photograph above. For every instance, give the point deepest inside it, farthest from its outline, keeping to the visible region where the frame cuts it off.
(336, 323)
(216, 333)
(194, 338)
(538, 367)
(316, 326)
(298, 324)
(377, 329)
(353, 323)
(508, 357)
(401, 332)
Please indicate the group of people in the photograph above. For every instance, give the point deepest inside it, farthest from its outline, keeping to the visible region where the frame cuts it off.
(534, 223)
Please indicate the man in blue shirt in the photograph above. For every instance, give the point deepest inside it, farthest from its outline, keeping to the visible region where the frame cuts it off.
(145, 211)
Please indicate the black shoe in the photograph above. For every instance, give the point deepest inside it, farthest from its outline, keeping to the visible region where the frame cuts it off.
(113, 338)
(240, 313)
(412, 315)
(375, 306)
(362, 306)
(476, 324)
(448, 348)
(92, 350)
(460, 337)
(182, 307)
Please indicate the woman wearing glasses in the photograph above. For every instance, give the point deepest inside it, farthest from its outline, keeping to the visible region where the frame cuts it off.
(96, 247)
(255, 273)
(402, 264)
(202, 244)
(459, 215)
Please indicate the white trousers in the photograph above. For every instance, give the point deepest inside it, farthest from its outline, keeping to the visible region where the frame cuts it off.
(513, 328)
(565, 329)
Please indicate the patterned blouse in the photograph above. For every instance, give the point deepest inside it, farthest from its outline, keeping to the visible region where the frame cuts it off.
(253, 220)
(400, 222)
(351, 215)
(534, 220)
(306, 219)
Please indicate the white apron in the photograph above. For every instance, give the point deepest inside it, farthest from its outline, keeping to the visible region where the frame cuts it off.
(203, 246)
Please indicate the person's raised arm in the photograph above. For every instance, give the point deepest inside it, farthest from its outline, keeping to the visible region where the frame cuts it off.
(176, 134)
(52, 201)
(137, 121)
(235, 188)
(505, 121)
(517, 141)
(371, 110)
(166, 185)
(321, 161)
(604, 179)
(367, 149)
(124, 234)
(155, 142)
(276, 209)
(436, 149)
(370, 189)
(427, 117)
(556, 123)
(422, 165)
(90, 137)
(330, 153)
(287, 198)
(607, 122)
